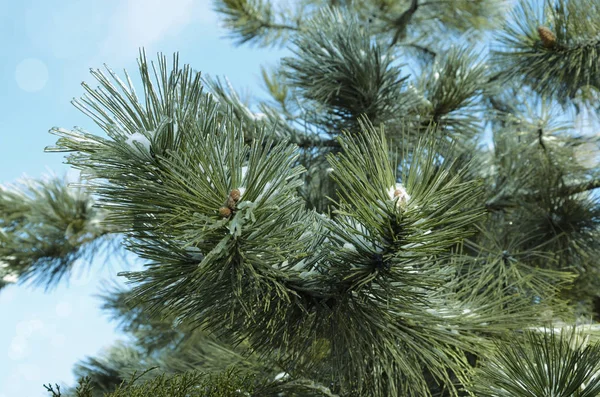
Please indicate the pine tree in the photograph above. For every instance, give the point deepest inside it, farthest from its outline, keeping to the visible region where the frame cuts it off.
(412, 213)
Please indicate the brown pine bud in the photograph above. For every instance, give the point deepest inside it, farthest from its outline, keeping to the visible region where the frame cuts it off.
(230, 203)
(235, 195)
(399, 194)
(547, 36)
(225, 212)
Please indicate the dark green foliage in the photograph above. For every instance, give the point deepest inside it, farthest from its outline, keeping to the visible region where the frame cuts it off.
(353, 235)
(551, 217)
(257, 21)
(564, 69)
(227, 384)
(452, 86)
(361, 77)
(44, 228)
(548, 362)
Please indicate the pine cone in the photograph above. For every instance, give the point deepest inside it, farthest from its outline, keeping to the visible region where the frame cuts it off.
(225, 212)
(547, 36)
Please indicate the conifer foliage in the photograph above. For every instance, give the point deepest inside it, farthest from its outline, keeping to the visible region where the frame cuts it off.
(413, 213)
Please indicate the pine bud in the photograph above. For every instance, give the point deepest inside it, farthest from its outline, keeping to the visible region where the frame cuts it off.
(230, 203)
(235, 195)
(547, 36)
(225, 212)
(399, 194)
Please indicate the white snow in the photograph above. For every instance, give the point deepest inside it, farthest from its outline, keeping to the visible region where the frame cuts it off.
(202, 171)
(74, 135)
(281, 265)
(212, 97)
(299, 266)
(264, 192)
(10, 278)
(350, 247)
(399, 193)
(308, 274)
(141, 139)
(259, 116)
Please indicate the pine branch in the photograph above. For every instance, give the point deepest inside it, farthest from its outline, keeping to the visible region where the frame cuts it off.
(231, 247)
(253, 21)
(342, 74)
(451, 87)
(551, 362)
(556, 56)
(570, 190)
(505, 200)
(229, 383)
(281, 129)
(45, 228)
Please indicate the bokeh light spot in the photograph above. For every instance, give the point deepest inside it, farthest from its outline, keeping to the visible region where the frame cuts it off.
(63, 309)
(31, 75)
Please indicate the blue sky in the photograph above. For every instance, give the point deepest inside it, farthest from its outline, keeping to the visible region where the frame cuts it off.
(48, 48)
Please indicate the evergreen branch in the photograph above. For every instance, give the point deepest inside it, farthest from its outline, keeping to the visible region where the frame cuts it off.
(228, 383)
(175, 192)
(281, 129)
(505, 200)
(387, 252)
(547, 363)
(557, 60)
(197, 351)
(209, 197)
(344, 74)
(505, 266)
(428, 20)
(451, 88)
(45, 227)
(561, 225)
(254, 21)
(50, 388)
(463, 15)
(577, 188)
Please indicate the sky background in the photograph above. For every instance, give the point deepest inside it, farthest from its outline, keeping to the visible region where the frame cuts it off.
(48, 48)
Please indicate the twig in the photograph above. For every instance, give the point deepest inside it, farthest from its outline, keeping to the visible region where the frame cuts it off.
(55, 393)
(426, 50)
(402, 21)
